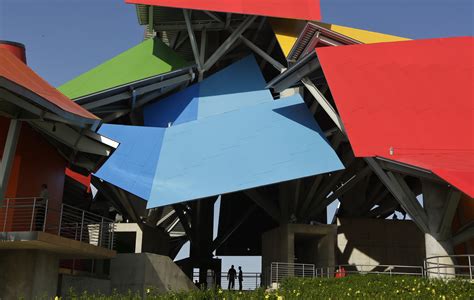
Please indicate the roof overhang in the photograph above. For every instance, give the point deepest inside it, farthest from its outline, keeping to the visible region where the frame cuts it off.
(296, 9)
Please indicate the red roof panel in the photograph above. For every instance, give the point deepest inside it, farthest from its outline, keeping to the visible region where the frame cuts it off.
(410, 101)
(291, 9)
(14, 70)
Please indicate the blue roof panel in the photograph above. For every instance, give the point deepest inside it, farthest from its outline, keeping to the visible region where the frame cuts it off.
(254, 146)
(236, 86)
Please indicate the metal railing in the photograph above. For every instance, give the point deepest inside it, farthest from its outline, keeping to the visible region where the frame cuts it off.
(251, 280)
(34, 214)
(279, 271)
(370, 269)
(461, 266)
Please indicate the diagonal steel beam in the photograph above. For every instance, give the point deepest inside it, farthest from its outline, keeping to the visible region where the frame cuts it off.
(268, 206)
(403, 196)
(263, 54)
(318, 95)
(223, 238)
(8, 157)
(178, 208)
(449, 210)
(464, 234)
(228, 42)
(361, 174)
(214, 16)
(192, 38)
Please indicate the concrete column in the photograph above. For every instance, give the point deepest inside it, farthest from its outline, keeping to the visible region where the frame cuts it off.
(201, 244)
(8, 156)
(435, 196)
(28, 274)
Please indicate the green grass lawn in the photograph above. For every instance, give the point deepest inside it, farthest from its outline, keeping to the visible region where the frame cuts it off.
(352, 287)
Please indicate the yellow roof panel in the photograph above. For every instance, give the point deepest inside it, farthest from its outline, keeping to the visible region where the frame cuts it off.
(287, 32)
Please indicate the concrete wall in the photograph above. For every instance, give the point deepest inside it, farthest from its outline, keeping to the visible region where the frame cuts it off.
(146, 239)
(299, 243)
(28, 274)
(138, 271)
(374, 241)
(79, 284)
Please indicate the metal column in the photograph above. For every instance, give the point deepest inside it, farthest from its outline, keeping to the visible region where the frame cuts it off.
(8, 156)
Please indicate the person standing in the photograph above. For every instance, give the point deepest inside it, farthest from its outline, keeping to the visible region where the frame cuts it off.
(40, 208)
(231, 274)
(241, 278)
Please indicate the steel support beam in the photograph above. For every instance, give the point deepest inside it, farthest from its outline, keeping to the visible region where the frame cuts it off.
(229, 42)
(223, 238)
(202, 53)
(449, 210)
(268, 206)
(214, 16)
(165, 217)
(407, 169)
(180, 211)
(323, 102)
(150, 20)
(263, 54)
(464, 235)
(403, 195)
(348, 185)
(8, 157)
(192, 38)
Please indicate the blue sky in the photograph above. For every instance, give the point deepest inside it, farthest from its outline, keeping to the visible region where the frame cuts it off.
(66, 38)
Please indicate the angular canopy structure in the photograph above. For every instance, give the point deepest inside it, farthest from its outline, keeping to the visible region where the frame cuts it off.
(16, 76)
(410, 102)
(240, 84)
(227, 135)
(149, 58)
(295, 9)
(259, 145)
(288, 31)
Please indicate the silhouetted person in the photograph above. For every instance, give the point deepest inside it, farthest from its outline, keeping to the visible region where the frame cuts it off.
(231, 274)
(241, 278)
(40, 207)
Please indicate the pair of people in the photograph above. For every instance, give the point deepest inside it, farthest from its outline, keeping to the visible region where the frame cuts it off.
(231, 274)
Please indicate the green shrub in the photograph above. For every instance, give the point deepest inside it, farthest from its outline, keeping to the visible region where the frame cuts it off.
(351, 287)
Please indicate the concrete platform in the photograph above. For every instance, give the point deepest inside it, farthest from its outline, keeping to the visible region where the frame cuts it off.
(61, 246)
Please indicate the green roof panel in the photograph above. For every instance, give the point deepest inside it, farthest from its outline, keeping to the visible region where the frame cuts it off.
(149, 58)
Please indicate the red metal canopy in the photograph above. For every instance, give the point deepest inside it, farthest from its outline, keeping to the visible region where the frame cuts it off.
(17, 72)
(291, 9)
(410, 101)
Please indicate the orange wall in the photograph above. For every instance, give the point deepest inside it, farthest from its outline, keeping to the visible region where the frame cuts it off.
(36, 162)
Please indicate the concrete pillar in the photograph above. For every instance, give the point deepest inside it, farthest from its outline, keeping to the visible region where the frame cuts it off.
(202, 228)
(28, 274)
(435, 196)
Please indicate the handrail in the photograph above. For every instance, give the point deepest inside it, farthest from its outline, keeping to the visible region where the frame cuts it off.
(29, 214)
(252, 280)
(278, 271)
(444, 268)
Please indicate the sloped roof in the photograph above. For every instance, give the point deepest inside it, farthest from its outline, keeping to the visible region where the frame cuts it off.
(149, 58)
(288, 31)
(294, 9)
(258, 145)
(26, 82)
(238, 85)
(408, 101)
